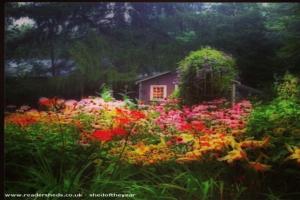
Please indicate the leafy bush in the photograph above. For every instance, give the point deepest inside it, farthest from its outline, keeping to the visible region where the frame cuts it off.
(289, 88)
(279, 120)
(205, 74)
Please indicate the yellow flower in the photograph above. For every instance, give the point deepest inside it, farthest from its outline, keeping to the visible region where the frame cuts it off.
(190, 156)
(295, 153)
(162, 142)
(33, 113)
(141, 149)
(195, 153)
(234, 155)
(187, 137)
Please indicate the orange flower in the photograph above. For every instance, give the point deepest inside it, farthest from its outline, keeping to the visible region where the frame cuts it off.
(136, 115)
(122, 120)
(259, 167)
(22, 120)
(204, 143)
(255, 143)
(78, 124)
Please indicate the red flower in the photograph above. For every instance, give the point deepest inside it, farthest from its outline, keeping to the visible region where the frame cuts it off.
(170, 142)
(43, 101)
(185, 127)
(125, 117)
(179, 139)
(198, 126)
(119, 131)
(123, 120)
(136, 115)
(103, 135)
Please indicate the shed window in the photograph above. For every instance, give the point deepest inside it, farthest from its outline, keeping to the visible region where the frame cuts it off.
(158, 92)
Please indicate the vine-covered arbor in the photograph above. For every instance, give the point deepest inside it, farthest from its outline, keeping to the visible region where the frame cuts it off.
(206, 74)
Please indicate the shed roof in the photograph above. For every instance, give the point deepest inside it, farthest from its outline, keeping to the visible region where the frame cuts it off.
(153, 76)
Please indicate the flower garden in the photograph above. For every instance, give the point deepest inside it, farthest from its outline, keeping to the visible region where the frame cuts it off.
(163, 151)
(150, 100)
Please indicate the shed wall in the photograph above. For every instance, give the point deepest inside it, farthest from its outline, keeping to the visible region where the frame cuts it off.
(169, 80)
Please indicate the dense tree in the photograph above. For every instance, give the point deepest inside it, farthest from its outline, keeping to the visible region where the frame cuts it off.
(288, 23)
(151, 37)
(93, 66)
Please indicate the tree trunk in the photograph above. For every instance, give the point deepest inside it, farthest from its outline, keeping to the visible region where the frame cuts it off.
(233, 94)
(53, 70)
(82, 87)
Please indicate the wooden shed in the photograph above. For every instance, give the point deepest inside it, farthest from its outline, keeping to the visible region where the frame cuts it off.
(157, 87)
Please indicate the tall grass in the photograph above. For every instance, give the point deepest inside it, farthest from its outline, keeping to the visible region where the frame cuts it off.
(33, 160)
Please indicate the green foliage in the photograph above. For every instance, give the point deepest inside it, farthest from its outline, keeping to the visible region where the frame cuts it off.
(279, 120)
(106, 93)
(92, 57)
(31, 155)
(289, 88)
(205, 74)
(88, 56)
(175, 94)
(286, 20)
(129, 102)
(187, 36)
